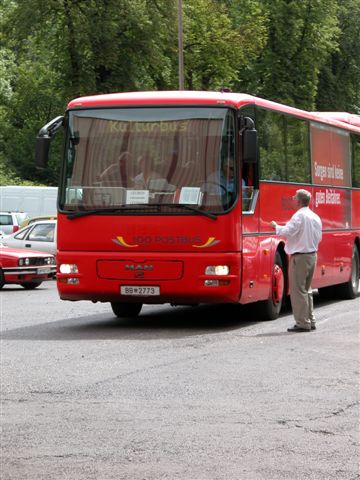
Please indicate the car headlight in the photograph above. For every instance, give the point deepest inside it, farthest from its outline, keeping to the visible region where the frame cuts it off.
(24, 261)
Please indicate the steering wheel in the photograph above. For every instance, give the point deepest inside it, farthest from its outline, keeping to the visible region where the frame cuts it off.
(219, 188)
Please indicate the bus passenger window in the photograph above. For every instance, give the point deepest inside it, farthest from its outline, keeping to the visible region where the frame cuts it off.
(356, 161)
(283, 147)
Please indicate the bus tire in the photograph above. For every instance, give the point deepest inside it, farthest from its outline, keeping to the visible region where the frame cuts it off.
(30, 285)
(126, 309)
(270, 309)
(2, 279)
(349, 289)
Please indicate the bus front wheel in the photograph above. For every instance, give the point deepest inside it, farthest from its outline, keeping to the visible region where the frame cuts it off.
(126, 309)
(30, 285)
(270, 309)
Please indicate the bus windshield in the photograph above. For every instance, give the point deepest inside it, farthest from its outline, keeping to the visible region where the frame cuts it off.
(152, 158)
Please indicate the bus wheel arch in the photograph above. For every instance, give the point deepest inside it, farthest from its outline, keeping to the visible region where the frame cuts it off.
(280, 263)
(270, 309)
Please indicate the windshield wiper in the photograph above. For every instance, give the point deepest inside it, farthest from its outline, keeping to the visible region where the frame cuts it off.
(98, 211)
(186, 207)
(120, 209)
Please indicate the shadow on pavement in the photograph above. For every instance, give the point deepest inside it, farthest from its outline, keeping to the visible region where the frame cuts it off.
(153, 323)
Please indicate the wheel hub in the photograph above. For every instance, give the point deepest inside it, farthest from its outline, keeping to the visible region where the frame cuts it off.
(277, 284)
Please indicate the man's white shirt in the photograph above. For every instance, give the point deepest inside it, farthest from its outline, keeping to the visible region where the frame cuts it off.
(303, 232)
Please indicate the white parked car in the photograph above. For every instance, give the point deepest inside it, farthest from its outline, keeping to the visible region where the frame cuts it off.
(40, 236)
(10, 221)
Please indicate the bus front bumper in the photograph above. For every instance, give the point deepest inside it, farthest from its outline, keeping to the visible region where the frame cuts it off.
(150, 277)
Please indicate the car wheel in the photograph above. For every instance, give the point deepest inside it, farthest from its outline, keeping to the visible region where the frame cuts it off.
(126, 309)
(30, 285)
(2, 279)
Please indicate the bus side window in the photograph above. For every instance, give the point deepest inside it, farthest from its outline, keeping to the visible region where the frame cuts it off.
(247, 198)
(283, 147)
(355, 161)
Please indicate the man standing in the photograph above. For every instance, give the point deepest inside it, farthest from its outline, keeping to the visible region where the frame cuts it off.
(303, 233)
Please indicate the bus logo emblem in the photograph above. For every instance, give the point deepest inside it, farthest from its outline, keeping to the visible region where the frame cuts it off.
(139, 269)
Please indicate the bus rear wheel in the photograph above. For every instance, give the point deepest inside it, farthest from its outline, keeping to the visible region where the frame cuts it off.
(270, 309)
(126, 309)
(349, 290)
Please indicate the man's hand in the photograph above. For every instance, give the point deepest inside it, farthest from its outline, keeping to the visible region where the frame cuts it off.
(273, 224)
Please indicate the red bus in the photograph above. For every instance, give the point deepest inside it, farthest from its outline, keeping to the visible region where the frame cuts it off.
(146, 214)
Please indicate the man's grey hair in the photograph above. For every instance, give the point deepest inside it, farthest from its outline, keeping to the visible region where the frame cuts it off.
(303, 196)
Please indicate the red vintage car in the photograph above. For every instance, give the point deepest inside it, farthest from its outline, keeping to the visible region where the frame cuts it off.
(26, 268)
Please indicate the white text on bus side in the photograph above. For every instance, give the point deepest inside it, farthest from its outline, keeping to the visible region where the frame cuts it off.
(330, 172)
(329, 197)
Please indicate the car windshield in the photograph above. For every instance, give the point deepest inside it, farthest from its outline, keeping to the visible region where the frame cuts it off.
(149, 157)
(43, 232)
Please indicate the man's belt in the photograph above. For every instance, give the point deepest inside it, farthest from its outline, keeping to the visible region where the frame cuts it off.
(304, 253)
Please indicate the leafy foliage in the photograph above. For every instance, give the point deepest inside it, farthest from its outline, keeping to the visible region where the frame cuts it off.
(300, 37)
(305, 54)
(339, 79)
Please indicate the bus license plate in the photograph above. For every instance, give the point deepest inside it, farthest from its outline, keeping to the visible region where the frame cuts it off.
(139, 290)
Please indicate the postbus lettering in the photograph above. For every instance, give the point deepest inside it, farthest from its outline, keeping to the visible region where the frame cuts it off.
(142, 240)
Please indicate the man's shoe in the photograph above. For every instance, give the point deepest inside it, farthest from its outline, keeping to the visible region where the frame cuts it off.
(295, 328)
(313, 327)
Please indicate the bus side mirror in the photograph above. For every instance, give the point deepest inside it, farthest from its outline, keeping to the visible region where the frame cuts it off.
(43, 141)
(249, 142)
(42, 152)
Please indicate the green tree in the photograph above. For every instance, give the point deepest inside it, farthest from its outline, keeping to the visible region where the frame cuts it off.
(98, 45)
(34, 102)
(300, 38)
(250, 19)
(51, 51)
(339, 79)
(64, 49)
(211, 45)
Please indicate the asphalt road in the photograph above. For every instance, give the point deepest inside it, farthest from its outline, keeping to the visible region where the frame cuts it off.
(174, 394)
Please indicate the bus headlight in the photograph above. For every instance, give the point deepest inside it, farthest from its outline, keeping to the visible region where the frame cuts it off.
(68, 268)
(217, 270)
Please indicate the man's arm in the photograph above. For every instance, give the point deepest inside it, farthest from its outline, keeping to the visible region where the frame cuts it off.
(291, 228)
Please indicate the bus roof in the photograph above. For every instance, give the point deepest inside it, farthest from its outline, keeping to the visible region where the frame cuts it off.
(344, 117)
(187, 97)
